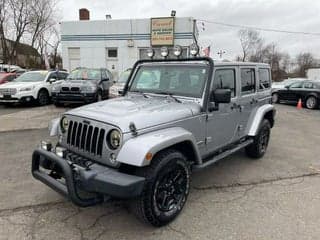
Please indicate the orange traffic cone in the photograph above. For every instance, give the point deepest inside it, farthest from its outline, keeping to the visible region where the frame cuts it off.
(299, 105)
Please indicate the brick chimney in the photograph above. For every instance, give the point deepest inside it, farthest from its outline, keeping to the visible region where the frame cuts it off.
(84, 14)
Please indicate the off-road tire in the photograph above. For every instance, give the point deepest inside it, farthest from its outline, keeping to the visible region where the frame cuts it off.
(260, 144)
(43, 98)
(312, 105)
(146, 207)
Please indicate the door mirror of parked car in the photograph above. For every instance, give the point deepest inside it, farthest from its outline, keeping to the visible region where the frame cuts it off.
(52, 80)
(218, 96)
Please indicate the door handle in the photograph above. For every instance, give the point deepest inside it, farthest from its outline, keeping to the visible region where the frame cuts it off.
(253, 101)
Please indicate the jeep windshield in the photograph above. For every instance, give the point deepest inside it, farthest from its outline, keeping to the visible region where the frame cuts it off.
(32, 77)
(181, 80)
(85, 74)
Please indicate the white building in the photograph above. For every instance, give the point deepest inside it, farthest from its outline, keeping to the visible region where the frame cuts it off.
(117, 44)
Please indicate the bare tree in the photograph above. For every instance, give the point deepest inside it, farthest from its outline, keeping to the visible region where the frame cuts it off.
(3, 20)
(304, 62)
(250, 42)
(42, 18)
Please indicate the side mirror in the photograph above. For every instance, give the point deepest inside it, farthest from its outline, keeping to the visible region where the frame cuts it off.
(219, 96)
(52, 80)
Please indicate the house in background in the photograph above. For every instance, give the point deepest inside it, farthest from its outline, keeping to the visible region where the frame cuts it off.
(27, 56)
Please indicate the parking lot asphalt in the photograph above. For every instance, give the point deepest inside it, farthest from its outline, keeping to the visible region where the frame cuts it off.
(276, 197)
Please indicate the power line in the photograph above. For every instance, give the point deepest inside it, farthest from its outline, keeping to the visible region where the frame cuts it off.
(259, 28)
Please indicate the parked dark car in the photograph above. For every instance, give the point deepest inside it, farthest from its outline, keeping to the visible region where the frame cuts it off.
(307, 91)
(6, 77)
(83, 85)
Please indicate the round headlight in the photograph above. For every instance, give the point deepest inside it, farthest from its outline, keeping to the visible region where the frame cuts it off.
(150, 52)
(194, 49)
(164, 51)
(114, 139)
(64, 124)
(177, 50)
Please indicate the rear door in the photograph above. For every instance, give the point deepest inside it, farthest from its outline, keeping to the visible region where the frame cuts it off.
(248, 101)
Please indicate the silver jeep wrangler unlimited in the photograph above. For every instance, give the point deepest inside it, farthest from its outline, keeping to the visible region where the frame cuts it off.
(175, 116)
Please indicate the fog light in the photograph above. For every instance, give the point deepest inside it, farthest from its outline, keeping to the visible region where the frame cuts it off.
(61, 152)
(46, 145)
(194, 49)
(150, 53)
(164, 52)
(177, 50)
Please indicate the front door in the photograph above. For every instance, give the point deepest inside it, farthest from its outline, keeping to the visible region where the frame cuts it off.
(222, 125)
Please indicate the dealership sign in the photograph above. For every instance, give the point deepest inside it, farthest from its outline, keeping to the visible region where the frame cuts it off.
(162, 30)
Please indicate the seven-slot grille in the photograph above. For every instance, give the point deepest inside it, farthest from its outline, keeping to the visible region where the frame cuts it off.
(86, 137)
(8, 91)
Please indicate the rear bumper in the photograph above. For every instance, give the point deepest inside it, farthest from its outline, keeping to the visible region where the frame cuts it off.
(97, 180)
(73, 97)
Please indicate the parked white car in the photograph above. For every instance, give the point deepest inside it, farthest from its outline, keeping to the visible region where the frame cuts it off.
(31, 86)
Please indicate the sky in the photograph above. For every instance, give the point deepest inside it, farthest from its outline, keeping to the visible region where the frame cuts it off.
(288, 15)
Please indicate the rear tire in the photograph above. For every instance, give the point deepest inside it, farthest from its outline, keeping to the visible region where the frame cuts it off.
(260, 144)
(311, 102)
(43, 98)
(166, 188)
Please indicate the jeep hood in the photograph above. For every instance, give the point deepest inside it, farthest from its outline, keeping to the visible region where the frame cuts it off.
(143, 112)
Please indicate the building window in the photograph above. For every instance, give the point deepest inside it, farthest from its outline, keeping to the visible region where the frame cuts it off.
(112, 53)
(248, 81)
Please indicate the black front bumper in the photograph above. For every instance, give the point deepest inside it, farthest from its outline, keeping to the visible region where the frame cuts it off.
(98, 181)
(74, 97)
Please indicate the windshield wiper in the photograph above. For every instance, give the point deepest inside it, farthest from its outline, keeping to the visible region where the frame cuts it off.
(142, 93)
(170, 95)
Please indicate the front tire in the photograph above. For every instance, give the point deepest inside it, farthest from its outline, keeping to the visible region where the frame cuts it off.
(43, 98)
(166, 189)
(260, 144)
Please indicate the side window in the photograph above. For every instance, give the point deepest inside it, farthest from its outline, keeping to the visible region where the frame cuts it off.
(308, 85)
(225, 78)
(62, 75)
(53, 75)
(264, 78)
(248, 80)
(296, 85)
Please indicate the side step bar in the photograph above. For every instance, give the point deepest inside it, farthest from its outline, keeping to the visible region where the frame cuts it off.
(222, 155)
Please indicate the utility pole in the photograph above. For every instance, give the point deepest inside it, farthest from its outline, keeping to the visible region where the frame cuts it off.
(220, 53)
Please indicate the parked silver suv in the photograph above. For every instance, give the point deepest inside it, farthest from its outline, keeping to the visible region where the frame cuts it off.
(143, 146)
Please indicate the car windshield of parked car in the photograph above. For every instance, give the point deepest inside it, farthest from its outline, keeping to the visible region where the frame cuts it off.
(32, 77)
(85, 74)
(180, 80)
(124, 77)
